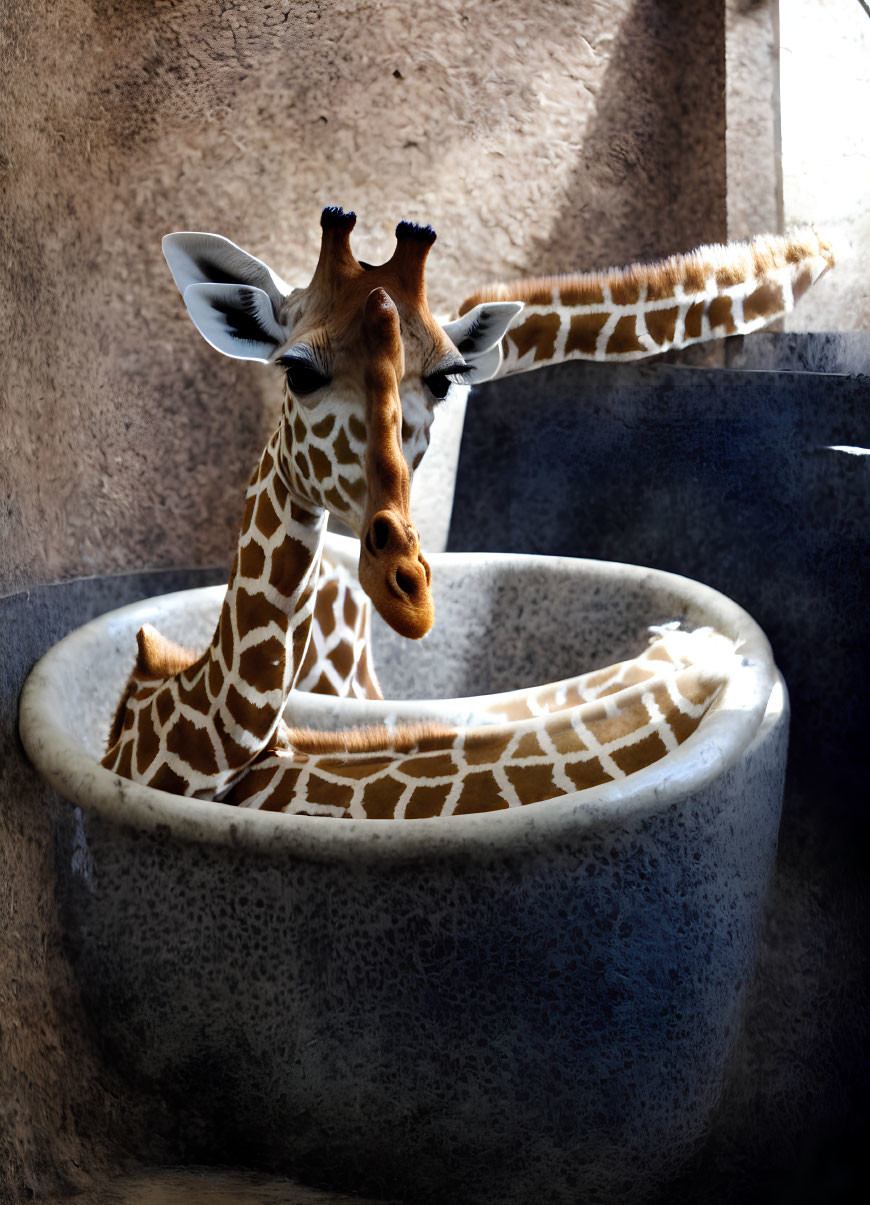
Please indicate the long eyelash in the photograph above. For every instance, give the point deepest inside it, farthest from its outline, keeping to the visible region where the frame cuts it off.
(452, 375)
(287, 361)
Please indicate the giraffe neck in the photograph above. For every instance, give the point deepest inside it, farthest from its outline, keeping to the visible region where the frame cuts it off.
(265, 623)
(194, 732)
(339, 657)
(630, 313)
(583, 733)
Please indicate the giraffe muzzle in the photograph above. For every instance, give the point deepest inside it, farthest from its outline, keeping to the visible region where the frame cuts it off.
(395, 575)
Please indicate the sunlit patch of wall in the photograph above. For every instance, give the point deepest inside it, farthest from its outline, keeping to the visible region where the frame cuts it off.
(824, 102)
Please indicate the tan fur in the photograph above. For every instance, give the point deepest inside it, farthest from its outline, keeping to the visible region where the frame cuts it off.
(376, 739)
(328, 314)
(728, 264)
(397, 557)
(156, 657)
(159, 657)
(121, 710)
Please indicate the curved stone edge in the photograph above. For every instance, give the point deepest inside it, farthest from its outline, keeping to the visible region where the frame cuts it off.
(724, 736)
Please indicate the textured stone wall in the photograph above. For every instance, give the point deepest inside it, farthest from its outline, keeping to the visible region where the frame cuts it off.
(533, 138)
(752, 117)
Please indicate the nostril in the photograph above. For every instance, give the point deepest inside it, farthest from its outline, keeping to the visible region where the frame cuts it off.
(380, 534)
(405, 582)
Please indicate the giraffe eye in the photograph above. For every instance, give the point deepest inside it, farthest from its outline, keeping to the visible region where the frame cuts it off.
(438, 383)
(302, 376)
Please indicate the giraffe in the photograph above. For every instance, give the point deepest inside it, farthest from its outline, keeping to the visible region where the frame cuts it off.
(365, 364)
(338, 659)
(617, 315)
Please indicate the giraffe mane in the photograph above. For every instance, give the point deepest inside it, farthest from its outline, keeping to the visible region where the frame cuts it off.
(118, 718)
(729, 264)
(375, 739)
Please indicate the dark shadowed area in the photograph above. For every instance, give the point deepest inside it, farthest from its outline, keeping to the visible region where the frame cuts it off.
(744, 480)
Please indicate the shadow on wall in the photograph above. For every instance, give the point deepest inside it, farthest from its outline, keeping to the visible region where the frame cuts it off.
(652, 165)
(726, 477)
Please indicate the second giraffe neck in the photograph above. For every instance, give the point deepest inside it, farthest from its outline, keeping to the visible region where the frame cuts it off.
(265, 621)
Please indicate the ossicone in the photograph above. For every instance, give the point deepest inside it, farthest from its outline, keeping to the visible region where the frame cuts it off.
(335, 218)
(336, 262)
(409, 258)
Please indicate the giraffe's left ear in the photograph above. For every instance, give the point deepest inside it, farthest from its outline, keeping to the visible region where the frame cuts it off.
(477, 335)
(233, 298)
(237, 320)
(197, 258)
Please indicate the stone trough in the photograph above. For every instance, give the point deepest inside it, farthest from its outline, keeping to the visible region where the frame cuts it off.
(533, 1004)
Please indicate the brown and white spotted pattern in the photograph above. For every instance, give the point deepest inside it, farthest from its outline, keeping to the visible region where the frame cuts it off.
(629, 313)
(325, 452)
(365, 364)
(421, 773)
(670, 647)
(191, 724)
(338, 660)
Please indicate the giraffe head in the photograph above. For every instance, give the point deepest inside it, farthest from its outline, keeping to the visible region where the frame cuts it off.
(364, 365)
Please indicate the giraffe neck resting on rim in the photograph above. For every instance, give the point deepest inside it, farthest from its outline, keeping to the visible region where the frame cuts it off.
(595, 729)
(630, 313)
(191, 724)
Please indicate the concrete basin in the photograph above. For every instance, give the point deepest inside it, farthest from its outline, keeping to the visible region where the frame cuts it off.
(527, 1005)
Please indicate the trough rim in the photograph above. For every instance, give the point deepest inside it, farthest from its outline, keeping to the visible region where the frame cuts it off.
(725, 735)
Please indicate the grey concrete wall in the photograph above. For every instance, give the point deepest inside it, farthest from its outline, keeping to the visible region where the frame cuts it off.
(537, 138)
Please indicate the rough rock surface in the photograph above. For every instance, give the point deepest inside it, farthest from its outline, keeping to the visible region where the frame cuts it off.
(563, 135)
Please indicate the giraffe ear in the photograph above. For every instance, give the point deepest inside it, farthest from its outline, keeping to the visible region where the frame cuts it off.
(195, 258)
(478, 335)
(237, 320)
(234, 299)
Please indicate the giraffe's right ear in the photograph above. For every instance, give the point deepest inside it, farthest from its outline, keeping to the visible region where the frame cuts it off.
(477, 335)
(234, 299)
